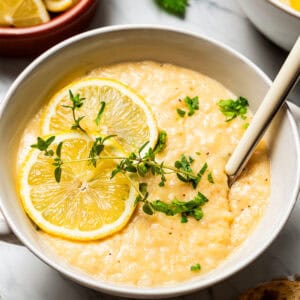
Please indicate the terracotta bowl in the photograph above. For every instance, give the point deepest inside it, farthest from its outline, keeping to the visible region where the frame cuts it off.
(31, 41)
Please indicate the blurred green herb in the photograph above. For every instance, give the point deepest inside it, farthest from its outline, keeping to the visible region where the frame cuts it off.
(234, 108)
(175, 7)
(196, 268)
(210, 178)
(180, 112)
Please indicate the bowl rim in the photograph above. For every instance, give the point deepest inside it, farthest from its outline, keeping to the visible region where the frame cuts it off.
(186, 286)
(286, 8)
(57, 21)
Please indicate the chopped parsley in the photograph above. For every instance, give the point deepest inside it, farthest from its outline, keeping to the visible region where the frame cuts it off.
(180, 112)
(175, 7)
(234, 108)
(195, 268)
(192, 104)
(210, 178)
(246, 125)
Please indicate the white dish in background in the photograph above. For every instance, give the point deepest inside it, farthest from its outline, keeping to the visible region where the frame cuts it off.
(128, 43)
(276, 20)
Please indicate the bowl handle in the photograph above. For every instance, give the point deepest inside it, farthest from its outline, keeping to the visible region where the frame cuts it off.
(6, 234)
(4, 228)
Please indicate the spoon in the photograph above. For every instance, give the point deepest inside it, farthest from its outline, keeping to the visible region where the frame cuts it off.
(284, 82)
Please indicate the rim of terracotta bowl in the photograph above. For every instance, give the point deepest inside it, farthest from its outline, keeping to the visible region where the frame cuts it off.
(286, 8)
(186, 286)
(54, 23)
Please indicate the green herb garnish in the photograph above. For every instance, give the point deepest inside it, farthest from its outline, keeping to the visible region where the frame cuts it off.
(191, 208)
(210, 178)
(196, 268)
(100, 112)
(175, 7)
(233, 108)
(58, 162)
(97, 148)
(140, 163)
(161, 143)
(246, 125)
(192, 105)
(43, 145)
(77, 102)
(180, 112)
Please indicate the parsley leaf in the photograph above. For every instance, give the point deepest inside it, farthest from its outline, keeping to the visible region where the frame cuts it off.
(210, 178)
(246, 125)
(196, 268)
(180, 112)
(175, 7)
(234, 108)
(162, 141)
(192, 104)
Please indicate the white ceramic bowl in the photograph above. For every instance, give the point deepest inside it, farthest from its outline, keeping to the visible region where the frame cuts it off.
(279, 22)
(110, 45)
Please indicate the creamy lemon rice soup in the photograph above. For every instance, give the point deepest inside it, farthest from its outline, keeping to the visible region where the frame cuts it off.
(161, 249)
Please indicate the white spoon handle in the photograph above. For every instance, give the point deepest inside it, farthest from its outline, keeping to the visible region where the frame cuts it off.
(282, 85)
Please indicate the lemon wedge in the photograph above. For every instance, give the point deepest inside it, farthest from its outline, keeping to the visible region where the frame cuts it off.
(126, 114)
(57, 6)
(86, 204)
(22, 13)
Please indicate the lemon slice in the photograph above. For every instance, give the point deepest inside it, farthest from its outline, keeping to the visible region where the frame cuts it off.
(125, 114)
(86, 204)
(22, 13)
(58, 5)
(295, 4)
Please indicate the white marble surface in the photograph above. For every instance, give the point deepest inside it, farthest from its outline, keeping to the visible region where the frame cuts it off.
(24, 277)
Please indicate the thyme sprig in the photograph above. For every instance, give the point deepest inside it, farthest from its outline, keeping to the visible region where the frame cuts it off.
(77, 103)
(97, 148)
(100, 112)
(43, 145)
(192, 208)
(141, 163)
